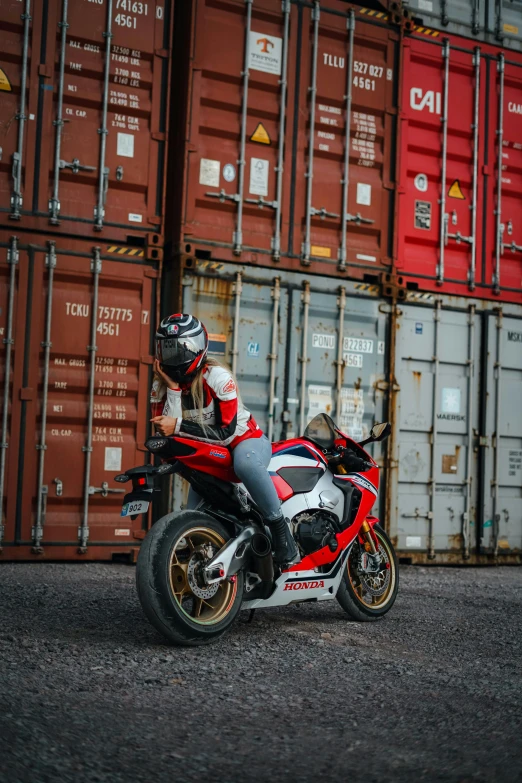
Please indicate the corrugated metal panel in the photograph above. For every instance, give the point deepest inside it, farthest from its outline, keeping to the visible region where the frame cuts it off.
(498, 22)
(78, 397)
(83, 115)
(502, 526)
(298, 345)
(458, 227)
(271, 172)
(444, 465)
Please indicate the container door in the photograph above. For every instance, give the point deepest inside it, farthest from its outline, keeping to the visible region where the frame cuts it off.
(462, 18)
(238, 125)
(16, 56)
(502, 531)
(12, 282)
(433, 509)
(87, 326)
(507, 25)
(345, 145)
(442, 147)
(504, 247)
(247, 323)
(337, 366)
(105, 151)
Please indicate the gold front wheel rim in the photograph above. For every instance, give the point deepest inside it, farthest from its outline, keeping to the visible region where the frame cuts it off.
(202, 604)
(375, 590)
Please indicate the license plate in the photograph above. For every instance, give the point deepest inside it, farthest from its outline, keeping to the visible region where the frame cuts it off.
(138, 507)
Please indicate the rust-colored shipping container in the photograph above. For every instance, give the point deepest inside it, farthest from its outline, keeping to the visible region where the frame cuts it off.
(84, 87)
(289, 143)
(459, 226)
(76, 320)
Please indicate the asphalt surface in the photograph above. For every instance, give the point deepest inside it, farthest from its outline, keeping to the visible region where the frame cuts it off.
(90, 692)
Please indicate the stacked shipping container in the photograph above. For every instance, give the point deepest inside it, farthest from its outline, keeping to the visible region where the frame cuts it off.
(324, 147)
(337, 188)
(84, 89)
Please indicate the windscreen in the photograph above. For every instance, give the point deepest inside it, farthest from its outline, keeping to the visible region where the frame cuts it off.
(321, 431)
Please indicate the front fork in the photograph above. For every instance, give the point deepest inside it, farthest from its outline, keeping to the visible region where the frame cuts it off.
(369, 539)
(372, 560)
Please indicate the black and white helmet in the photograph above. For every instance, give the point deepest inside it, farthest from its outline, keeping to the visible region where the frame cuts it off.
(181, 346)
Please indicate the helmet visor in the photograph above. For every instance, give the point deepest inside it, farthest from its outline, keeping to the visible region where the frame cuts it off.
(175, 351)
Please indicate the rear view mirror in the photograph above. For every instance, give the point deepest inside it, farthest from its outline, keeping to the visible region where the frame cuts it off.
(380, 431)
(377, 432)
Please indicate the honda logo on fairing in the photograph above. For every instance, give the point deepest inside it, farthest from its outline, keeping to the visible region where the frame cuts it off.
(304, 585)
(420, 99)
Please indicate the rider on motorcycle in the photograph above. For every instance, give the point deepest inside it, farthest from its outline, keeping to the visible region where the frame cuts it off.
(197, 397)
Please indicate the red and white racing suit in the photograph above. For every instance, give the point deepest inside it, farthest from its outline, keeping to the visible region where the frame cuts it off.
(226, 419)
(228, 423)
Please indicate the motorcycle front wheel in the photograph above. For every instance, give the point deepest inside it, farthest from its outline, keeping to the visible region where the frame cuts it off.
(369, 596)
(172, 593)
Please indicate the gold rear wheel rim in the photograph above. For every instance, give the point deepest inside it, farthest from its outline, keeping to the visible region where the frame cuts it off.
(200, 603)
(373, 591)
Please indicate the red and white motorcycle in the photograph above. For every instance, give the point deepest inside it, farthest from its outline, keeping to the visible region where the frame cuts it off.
(197, 569)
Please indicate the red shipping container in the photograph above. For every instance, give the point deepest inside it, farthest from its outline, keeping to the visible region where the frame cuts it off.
(83, 116)
(460, 204)
(72, 314)
(271, 174)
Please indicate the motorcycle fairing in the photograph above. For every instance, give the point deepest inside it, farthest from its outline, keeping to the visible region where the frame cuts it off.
(303, 585)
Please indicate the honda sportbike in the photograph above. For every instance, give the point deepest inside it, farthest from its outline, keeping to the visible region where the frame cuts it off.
(196, 569)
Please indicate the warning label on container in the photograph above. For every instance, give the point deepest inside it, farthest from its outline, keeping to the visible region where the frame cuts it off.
(319, 401)
(260, 135)
(265, 53)
(217, 344)
(364, 194)
(350, 417)
(209, 172)
(450, 402)
(5, 84)
(423, 215)
(258, 177)
(321, 252)
(515, 462)
(125, 145)
(455, 191)
(112, 458)
(421, 182)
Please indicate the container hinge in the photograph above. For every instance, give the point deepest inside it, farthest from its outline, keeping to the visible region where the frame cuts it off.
(358, 218)
(13, 254)
(76, 166)
(323, 213)
(513, 247)
(484, 441)
(223, 195)
(105, 188)
(104, 490)
(260, 202)
(16, 198)
(96, 266)
(417, 514)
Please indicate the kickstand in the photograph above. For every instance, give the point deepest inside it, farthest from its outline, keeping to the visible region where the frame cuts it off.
(251, 615)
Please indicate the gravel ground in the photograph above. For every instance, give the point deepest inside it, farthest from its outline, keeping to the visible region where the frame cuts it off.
(90, 692)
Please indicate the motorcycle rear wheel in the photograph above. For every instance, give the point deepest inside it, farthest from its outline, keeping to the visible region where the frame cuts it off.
(171, 592)
(368, 597)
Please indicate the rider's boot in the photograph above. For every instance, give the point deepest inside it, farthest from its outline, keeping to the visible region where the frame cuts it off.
(285, 548)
